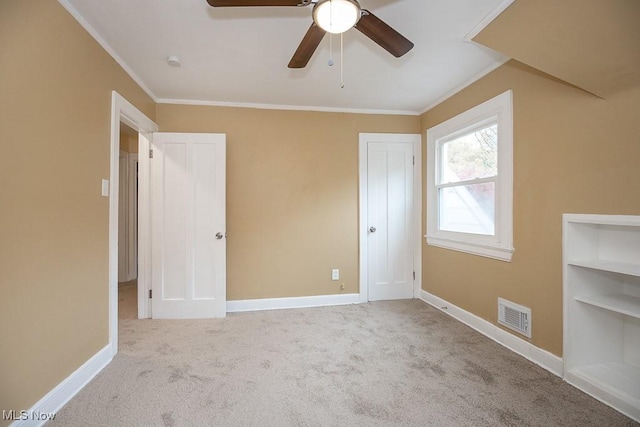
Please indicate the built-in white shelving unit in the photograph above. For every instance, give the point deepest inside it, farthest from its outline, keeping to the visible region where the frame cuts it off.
(601, 268)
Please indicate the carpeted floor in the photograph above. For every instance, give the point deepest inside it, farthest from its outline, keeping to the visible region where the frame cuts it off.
(376, 364)
(128, 300)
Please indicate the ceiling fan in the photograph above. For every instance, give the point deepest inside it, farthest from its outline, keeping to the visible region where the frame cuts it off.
(332, 16)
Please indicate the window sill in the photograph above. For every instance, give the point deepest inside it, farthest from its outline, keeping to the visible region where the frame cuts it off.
(489, 251)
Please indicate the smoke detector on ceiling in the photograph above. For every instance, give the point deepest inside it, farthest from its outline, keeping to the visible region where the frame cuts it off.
(173, 61)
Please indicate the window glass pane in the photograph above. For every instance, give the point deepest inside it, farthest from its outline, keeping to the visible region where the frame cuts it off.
(468, 208)
(473, 155)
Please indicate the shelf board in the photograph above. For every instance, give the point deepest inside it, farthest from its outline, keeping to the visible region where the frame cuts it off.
(597, 220)
(611, 266)
(622, 379)
(620, 303)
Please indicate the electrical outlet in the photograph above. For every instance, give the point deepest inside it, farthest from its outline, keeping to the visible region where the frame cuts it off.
(335, 274)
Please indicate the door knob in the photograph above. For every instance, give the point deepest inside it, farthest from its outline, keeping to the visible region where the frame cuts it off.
(219, 235)
(372, 229)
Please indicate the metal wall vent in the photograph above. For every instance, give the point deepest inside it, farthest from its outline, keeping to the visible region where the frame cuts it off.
(514, 316)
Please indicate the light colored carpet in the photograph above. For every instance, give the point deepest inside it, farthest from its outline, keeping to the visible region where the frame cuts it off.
(376, 364)
(128, 300)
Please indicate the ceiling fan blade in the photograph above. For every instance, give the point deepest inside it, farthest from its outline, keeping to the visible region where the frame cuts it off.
(381, 33)
(308, 45)
(240, 3)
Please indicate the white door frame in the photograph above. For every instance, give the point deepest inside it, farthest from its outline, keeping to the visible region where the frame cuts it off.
(365, 139)
(123, 111)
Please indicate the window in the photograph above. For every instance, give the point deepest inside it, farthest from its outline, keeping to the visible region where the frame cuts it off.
(470, 181)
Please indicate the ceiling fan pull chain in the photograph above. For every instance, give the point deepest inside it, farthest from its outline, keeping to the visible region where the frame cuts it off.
(341, 62)
(331, 50)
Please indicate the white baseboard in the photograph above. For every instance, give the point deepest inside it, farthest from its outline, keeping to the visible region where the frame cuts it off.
(294, 302)
(63, 392)
(543, 358)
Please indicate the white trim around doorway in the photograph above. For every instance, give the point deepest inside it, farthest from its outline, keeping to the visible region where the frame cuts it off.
(416, 141)
(125, 112)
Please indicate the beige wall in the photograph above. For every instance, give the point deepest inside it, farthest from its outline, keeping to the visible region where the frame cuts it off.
(592, 44)
(292, 194)
(56, 84)
(573, 152)
(128, 139)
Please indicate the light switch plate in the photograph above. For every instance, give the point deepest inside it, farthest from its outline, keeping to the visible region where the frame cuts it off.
(105, 188)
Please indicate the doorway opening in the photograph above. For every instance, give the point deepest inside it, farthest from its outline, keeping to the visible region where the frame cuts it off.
(128, 224)
(125, 113)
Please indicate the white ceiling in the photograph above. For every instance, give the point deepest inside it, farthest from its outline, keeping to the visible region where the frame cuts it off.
(239, 56)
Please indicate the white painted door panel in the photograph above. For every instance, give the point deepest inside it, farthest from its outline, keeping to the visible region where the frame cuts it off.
(122, 218)
(188, 261)
(390, 220)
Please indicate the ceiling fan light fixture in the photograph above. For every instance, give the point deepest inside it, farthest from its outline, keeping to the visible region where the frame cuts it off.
(336, 16)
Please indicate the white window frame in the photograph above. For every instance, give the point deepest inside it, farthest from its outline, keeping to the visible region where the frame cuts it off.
(500, 245)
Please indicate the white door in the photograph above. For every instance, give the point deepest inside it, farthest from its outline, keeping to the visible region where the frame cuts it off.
(188, 245)
(127, 217)
(132, 217)
(123, 248)
(390, 220)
